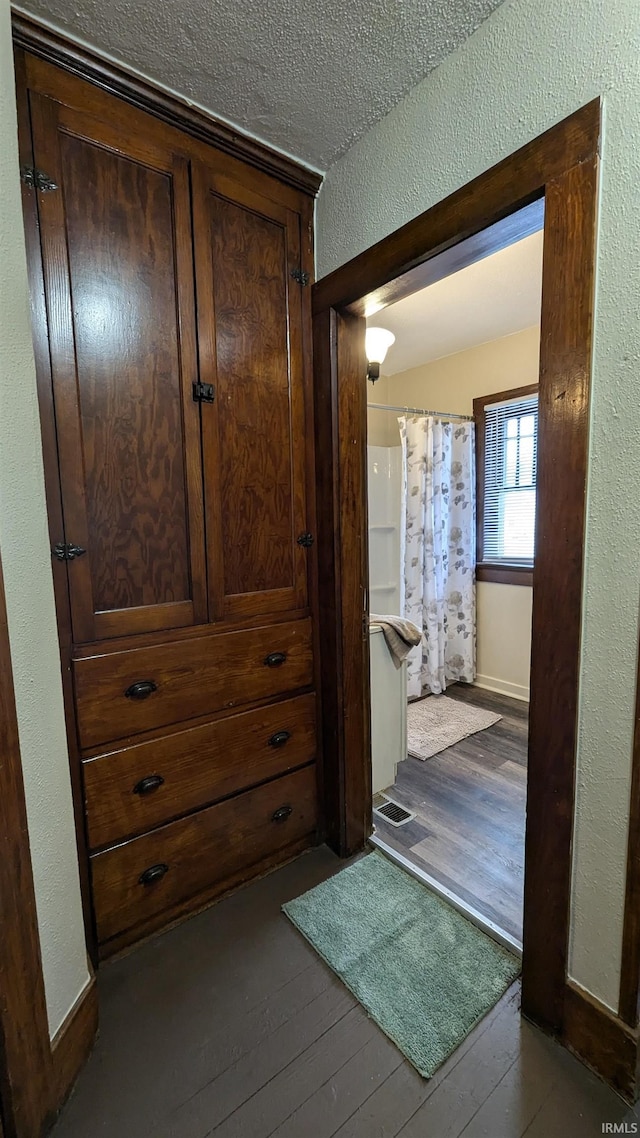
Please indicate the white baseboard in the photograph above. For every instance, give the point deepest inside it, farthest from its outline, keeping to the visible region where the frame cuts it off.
(502, 687)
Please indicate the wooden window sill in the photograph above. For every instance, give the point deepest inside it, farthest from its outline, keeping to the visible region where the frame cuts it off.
(505, 574)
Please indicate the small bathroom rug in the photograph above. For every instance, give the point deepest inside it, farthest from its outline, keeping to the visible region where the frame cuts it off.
(435, 723)
(424, 973)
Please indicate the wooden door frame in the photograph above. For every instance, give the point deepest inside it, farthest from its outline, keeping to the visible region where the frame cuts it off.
(561, 167)
(36, 1072)
(25, 1052)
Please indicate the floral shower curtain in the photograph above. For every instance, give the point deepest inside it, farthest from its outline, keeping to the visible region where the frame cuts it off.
(439, 542)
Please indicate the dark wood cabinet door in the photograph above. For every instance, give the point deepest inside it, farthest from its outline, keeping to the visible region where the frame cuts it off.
(117, 256)
(250, 344)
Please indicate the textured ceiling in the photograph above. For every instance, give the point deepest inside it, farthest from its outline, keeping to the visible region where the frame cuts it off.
(308, 77)
(490, 299)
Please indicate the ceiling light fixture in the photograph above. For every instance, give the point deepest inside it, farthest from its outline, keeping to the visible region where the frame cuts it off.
(377, 344)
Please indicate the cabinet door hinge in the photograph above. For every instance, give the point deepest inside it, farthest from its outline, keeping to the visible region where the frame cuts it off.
(300, 276)
(36, 180)
(203, 392)
(67, 551)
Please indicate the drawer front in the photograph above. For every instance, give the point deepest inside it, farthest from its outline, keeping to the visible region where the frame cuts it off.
(140, 689)
(131, 790)
(147, 876)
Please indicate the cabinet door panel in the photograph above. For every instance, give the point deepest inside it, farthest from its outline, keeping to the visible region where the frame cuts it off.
(249, 325)
(116, 242)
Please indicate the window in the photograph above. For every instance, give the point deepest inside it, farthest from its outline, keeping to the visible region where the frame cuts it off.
(507, 452)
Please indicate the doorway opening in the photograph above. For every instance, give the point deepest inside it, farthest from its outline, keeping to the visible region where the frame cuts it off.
(559, 168)
(451, 470)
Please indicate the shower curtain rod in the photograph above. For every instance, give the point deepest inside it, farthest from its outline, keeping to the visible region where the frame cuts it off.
(418, 411)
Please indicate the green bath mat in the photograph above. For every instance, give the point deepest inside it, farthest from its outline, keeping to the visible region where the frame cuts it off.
(423, 972)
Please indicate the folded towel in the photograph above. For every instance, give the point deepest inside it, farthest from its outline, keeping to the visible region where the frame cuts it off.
(401, 635)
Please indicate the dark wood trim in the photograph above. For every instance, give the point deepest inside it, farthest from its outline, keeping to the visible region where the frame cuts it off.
(500, 235)
(72, 1043)
(561, 166)
(601, 1040)
(341, 487)
(629, 999)
(489, 199)
(504, 574)
(329, 578)
(342, 529)
(25, 1053)
(354, 552)
(496, 572)
(307, 252)
(482, 401)
(563, 437)
(88, 64)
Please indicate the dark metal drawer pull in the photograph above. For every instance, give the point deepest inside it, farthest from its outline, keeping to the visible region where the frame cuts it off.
(153, 873)
(279, 739)
(141, 690)
(148, 784)
(282, 813)
(275, 659)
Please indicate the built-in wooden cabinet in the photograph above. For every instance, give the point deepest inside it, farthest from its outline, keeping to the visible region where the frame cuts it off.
(254, 433)
(116, 239)
(170, 292)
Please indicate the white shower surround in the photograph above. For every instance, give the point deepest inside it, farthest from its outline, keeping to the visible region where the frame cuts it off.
(385, 488)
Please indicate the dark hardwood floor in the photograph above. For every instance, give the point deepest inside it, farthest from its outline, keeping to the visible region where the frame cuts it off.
(469, 802)
(231, 1024)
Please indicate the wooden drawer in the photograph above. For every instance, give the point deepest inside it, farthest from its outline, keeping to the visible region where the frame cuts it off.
(188, 678)
(216, 847)
(196, 766)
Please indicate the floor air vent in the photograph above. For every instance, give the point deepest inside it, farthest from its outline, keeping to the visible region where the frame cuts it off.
(393, 812)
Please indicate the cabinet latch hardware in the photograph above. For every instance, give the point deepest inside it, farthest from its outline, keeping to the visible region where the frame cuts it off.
(305, 540)
(203, 392)
(36, 180)
(300, 276)
(67, 551)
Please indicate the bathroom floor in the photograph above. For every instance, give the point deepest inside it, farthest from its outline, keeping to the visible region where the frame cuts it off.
(469, 802)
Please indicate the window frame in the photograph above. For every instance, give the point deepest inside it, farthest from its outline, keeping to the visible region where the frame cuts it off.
(497, 572)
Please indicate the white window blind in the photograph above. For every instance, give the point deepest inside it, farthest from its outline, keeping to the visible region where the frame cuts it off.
(510, 464)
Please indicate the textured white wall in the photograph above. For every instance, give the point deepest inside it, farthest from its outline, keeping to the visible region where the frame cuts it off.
(24, 542)
(281, 67)
(529, 65)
